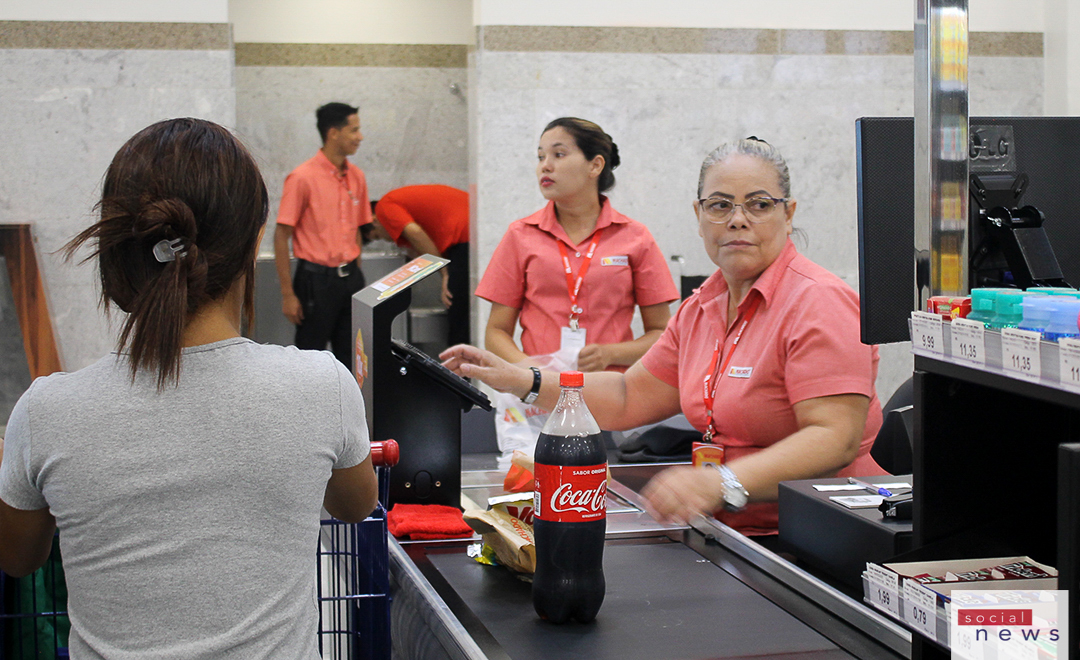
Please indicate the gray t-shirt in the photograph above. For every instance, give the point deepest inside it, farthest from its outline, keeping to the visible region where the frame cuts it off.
(188, 518)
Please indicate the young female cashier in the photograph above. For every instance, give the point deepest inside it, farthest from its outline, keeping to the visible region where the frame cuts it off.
(573, 272)
(186, 471)
(764, 359)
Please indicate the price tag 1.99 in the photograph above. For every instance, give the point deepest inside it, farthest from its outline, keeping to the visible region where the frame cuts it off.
(1020, 353)
(969, 341)
(963, 643)
(927, 335)
(884, 589)
(1070, 363)
(920, 608)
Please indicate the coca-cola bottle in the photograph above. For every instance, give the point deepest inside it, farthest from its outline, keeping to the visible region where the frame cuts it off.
(570, 510)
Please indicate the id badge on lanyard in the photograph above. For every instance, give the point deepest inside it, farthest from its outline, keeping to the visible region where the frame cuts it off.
(572, 339)
(573, 335)
(706, 451)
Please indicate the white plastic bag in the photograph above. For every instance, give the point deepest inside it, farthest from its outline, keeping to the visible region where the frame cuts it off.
(518, 425)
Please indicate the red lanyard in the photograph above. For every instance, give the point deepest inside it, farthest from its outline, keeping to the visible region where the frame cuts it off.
(709, 394)
(572, 286)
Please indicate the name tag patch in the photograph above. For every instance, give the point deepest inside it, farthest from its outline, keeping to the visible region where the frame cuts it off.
(740, 372)
(615, 260)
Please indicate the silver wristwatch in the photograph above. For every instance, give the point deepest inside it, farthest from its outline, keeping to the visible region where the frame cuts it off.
(735, 495)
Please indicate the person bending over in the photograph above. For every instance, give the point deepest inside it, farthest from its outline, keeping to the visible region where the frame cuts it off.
(433, 219)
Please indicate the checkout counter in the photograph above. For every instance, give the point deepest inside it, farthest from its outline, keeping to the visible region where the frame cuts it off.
(703, 591)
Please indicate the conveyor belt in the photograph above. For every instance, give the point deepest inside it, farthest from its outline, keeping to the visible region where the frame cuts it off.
(663, 601)
(672, 592)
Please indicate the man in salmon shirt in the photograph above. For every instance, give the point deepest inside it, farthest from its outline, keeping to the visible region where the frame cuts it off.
(323, 205)
(433, 219)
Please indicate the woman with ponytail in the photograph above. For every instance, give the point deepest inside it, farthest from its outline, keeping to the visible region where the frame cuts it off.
(185, 472)
(573, 272)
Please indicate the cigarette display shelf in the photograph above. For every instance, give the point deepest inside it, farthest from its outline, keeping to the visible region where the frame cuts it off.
(996, 467)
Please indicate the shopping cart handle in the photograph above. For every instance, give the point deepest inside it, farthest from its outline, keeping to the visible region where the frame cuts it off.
(385, 453)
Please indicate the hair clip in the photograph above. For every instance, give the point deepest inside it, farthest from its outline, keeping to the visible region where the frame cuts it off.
(166, 250)
(757, 139)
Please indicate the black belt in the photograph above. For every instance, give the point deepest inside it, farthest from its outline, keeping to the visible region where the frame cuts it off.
(344, 270)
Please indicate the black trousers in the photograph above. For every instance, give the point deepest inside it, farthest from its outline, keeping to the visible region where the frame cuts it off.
(458, 283)
(326, 299)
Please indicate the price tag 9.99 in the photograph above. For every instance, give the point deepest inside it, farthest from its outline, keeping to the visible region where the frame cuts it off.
(1020, 353)
(927, 335)
(969, 341)
(1069, 356)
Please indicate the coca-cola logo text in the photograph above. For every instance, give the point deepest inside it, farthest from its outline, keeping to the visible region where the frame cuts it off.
(570, 493)
(565, 498)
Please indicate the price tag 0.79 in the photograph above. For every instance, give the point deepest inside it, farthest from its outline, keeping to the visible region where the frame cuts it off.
(920, 608)
(1069, 356)
(969, 341)
(927, 335)
(1020, 353)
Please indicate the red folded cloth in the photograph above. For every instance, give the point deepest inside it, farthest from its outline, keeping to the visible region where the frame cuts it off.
(426, 522)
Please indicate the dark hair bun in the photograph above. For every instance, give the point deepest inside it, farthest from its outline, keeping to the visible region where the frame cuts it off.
(175, 181)
(166, 218)
(614, 155)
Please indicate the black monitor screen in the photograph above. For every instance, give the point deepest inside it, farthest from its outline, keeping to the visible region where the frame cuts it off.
(1046, 149)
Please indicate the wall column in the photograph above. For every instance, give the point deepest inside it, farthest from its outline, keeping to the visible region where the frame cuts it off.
(1061, 68)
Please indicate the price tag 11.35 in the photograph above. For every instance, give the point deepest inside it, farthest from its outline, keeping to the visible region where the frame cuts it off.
(927, 335)
(969, 341)
(1020, 353)
(1070, 363)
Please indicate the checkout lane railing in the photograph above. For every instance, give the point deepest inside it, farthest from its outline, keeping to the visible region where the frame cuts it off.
(431, 609)
(858, 615)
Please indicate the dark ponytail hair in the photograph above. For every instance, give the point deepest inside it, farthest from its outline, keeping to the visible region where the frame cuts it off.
(593, 142)
(188, 181)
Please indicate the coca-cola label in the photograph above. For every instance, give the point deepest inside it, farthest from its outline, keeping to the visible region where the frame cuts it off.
(570, 493)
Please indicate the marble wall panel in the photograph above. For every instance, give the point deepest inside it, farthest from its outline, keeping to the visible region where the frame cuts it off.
(66, 112)
(414, 125)
(666, 111)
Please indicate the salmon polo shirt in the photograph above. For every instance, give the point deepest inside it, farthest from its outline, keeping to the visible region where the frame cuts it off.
(802, 343)
(441, 211)
(325, 208)
(526, 272)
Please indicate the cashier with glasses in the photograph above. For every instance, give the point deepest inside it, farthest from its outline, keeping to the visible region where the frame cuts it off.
(764, 359)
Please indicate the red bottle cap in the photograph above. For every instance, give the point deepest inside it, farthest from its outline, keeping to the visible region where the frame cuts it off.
(571, 379)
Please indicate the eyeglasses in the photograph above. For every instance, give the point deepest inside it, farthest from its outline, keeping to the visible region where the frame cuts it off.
(756, 209)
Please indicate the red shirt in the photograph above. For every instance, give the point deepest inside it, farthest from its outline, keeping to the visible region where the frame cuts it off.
(441, 211)
(802, 343)
(526, 272)
(326, 208)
